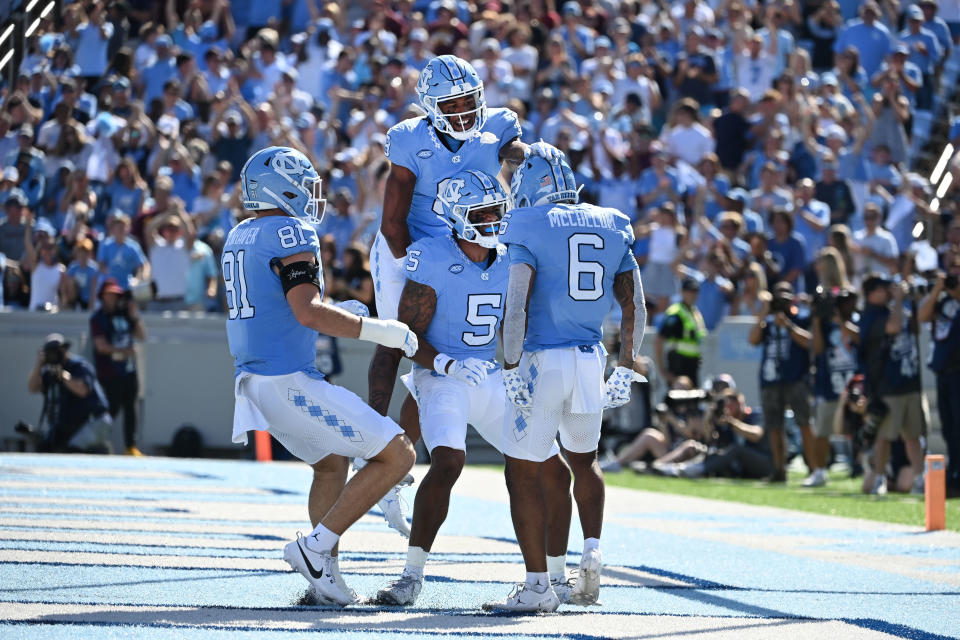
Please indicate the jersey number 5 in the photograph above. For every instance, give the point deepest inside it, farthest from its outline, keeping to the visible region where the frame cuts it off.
(476, 319)
(578, 268)
(235, 282)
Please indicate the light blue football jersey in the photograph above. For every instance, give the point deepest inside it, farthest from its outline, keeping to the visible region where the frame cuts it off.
(470, 296)
(415, 144)
(264, 336)
(576, 250)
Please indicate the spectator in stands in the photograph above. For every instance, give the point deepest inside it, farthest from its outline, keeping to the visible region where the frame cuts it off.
(868, 35)
(79, 283)
(834, 191)
(91, 32)
(120, 256)
(156, 75)
(787, 247)
(13, 230)
(687, 139)
(753, 294)
(784, 368)
(45, 274)
(811, 220)
(875, 245)
(71, 396)
(168, 239)
(925, 52)
(731, 130)
(113, 328)
(127, 190)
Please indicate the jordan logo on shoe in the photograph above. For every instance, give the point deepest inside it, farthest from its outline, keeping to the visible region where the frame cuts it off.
(313, 572)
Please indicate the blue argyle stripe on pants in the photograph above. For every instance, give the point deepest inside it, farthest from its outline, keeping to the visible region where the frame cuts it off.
(324, 417)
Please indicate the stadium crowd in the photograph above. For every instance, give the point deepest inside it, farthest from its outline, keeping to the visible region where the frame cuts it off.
(760, 149)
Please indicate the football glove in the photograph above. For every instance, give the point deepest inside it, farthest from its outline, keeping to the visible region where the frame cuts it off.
(618, 386)
(517, 389)
(471, 371)
(544, 150)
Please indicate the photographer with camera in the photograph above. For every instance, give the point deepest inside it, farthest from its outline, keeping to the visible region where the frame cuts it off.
(942, 308)
(784, 367)
(890, 359)
(113, 328)
(747, 453)
(71, 396)
(834, 348)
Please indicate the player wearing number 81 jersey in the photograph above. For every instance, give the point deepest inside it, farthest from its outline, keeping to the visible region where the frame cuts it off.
(568, 262)
(271, 270)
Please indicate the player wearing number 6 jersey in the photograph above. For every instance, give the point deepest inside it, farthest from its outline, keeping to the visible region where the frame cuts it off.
(453, 300)
(567, 263)
(272, 273)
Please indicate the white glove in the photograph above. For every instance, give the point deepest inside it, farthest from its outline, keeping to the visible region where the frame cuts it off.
(355, 307)
(618, 386)
(389, 333)
(544, 150)
(472, 371)
(518, 391)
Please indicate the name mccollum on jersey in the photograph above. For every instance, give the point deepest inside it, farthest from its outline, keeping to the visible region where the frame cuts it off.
(578, 218)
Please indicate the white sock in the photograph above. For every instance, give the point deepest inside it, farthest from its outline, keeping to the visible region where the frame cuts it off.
(557, 567)
(538, 581)
(416, 560)
(591, 543)
(323, 539)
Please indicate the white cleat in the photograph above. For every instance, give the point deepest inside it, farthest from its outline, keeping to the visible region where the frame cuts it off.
(563, 589)
(523, 599)
(401, 592)
(392, 506)
(586, 591)
(319, 568)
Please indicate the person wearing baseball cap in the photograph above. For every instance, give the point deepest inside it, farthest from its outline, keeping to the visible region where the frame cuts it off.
(113, 329)
(784, 366)
(71, 398)
(681, 335)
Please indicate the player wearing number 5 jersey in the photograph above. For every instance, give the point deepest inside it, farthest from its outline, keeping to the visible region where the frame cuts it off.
(568, 261)
(453, 299)
(272, 273)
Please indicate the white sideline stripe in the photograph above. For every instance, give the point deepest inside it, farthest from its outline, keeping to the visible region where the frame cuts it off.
(92, 472)
(385, 621)
(217, 489)
(123, 559)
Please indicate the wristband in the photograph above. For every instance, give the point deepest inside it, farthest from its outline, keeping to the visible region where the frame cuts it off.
(441, 362)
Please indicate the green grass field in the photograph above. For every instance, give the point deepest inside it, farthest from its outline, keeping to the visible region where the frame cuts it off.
(841, 496)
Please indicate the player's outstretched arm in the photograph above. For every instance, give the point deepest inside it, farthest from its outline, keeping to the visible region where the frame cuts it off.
(396, 207)
(299, 276)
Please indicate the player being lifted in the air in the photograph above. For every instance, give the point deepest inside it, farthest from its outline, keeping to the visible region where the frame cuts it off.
(453, 300)
(458, 132)
(274, 283)
(567, 262)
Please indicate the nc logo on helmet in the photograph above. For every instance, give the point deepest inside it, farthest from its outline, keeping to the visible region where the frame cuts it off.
(452, 192)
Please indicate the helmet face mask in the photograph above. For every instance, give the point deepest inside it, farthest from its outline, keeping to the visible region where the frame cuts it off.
(282, 178)
(466, 199)
(443, 84)
(540, 181)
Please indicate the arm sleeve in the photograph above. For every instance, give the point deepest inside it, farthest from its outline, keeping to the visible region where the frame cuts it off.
(399, 150)
(639, 312)
(515, 318)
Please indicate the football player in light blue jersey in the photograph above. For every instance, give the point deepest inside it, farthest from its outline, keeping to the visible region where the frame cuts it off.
(453, 300)
(568, 262)
(457, 133)
(271, 271)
